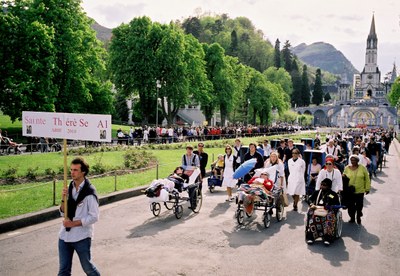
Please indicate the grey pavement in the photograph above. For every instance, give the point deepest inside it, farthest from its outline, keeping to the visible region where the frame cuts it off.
(129, 240)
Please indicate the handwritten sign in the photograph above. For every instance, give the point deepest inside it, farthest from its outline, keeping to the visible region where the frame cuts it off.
(74, 126)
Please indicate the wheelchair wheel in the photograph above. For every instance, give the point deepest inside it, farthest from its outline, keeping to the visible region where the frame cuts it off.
(339, 224)
(279, 211)
(155, 207)
(211, 188)
(169, 205)
(178, 211)
(267, 220)
(199, 201)
(240, 216)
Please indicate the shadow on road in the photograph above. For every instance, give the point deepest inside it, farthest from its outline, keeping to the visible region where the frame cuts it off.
(336, 253)
(360, 234)
(154, 225)
(253, 231)
(220, 209)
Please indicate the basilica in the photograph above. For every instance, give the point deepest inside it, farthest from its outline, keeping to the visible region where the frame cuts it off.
(364, 103)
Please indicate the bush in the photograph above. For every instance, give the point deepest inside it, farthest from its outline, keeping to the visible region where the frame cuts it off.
(32, 173)
(50, 172)
(134, 159)
(98, 167)
(10, 174)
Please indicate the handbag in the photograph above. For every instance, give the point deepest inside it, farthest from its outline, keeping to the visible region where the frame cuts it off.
(321, 212)
(284, 199)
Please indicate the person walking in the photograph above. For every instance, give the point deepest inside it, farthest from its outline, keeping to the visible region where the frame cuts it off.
(358, 177)
(296, 182)
(203, 158)
(229, 168)
(83, 212)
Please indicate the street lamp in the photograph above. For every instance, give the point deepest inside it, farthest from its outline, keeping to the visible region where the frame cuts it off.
(158, 85)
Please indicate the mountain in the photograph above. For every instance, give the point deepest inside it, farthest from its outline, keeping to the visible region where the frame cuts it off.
(325, 56)
(102, 33)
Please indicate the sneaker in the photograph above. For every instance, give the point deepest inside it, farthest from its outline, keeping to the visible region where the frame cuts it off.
(295, 208)
(327, 243)
(310, 242)
(374, 174)
(358, 220)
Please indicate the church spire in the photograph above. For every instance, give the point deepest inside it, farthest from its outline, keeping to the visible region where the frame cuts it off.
(394, 73)
(372, 33)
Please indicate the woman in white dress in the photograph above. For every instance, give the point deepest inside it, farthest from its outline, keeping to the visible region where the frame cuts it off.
(274, 160)
(229, 168)
(296, 182)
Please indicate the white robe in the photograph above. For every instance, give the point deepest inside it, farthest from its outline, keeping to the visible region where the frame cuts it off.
(335, 176)
(296, 182)
(228, 173)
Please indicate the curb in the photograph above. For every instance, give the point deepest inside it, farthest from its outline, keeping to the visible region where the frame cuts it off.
(13, 223)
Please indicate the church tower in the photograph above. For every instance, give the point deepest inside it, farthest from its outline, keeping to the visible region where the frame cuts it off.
(370, 86)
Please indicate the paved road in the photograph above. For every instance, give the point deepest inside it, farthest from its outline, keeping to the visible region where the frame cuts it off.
(130, 241)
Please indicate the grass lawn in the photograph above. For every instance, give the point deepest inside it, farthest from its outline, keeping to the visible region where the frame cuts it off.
(17, 199)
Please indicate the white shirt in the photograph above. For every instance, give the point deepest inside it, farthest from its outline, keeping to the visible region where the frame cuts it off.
(87, 212)
(267, 150)
(334, 175)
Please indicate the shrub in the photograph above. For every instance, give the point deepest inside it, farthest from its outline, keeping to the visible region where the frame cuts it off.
(134, 159)
(50, 172)
(32, 173)
(98, 167)
(10, 174)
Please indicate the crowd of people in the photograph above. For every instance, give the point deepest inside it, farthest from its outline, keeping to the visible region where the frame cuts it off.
(170, 134)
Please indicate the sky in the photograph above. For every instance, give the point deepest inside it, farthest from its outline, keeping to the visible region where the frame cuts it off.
(343, 23)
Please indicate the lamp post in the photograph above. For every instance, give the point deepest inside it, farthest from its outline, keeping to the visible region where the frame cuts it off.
(158, 85)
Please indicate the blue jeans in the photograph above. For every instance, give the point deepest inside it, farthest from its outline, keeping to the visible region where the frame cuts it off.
(374, 163)
(82, 248)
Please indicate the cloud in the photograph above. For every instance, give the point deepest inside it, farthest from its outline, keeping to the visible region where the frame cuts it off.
(118, 13)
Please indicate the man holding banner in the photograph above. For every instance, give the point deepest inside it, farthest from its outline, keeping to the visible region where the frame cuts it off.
(77, 230)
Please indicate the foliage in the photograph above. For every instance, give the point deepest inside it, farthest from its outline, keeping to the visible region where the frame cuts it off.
(287, 56)
(305, 88)
(327, 97)
(297, 85)
(98, 167)
(394, 94)
(288, 116)
(10, 174)
(134, 159)
(32, 173)
(317, 93)
(277, 54)
(237, 36)
(51, 53)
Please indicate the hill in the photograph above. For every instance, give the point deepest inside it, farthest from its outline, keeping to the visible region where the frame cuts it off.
(102, 33)
(327, 57)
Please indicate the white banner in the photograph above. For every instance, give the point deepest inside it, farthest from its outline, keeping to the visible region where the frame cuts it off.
(74, 126)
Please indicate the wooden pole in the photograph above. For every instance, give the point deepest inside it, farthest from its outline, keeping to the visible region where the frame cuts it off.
(65, 179)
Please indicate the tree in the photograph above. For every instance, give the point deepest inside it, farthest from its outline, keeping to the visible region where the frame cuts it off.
(132, 61)
(287, 56)
(280, 76)
(277, 54)
(305, 88)
(327, 97)
(27, 62)
(394, 94)
(317, 93)
(233, 49)
(79, 68)
(297, 85)
(219, 73)
(192, 25)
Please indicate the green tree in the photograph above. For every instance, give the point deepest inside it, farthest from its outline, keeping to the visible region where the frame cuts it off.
(394, 94)
(327, 97)
(305, 88)
(192, 25)
(297, 85)
(79, 68)
(317, 93)
(233, 49)
(132, 61)
(277, 54)
(27, 61)
(287, 56)
(280, 76)
(219, 72)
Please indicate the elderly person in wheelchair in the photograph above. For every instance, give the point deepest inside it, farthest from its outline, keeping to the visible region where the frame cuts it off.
(323, 216)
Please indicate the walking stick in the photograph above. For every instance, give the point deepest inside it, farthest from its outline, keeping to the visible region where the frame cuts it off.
(65, 180)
